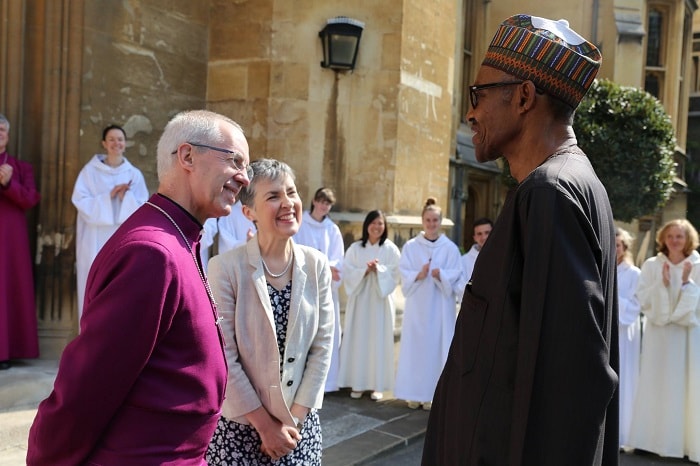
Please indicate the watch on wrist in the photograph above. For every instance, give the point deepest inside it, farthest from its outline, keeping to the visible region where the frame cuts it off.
(297, 423)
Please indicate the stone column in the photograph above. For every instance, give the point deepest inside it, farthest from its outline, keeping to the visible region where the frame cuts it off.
(40, 56)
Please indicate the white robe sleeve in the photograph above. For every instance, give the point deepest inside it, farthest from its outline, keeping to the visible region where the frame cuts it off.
(409, 269)
(388, 269)
(451, 272)
(629, 306)
(336, 249)
(134, 197)
(687, 309)
(355, 269)
(94, 208)
(653, 296)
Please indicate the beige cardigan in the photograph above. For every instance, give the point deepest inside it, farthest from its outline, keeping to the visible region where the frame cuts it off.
(238, 282)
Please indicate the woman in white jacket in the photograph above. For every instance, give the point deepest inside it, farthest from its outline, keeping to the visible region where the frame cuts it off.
(666, 416)
(275, 298)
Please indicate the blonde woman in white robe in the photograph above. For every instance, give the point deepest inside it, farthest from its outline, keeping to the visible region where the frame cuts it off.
(431, 272)
(629, 329)
(108, 190)
(370, 275)
(666, 416)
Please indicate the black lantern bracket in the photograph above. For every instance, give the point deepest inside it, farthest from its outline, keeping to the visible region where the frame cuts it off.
(340, 39)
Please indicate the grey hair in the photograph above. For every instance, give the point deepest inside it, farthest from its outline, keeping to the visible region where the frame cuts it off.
(264, 169)
(5, 121)
(201, 126)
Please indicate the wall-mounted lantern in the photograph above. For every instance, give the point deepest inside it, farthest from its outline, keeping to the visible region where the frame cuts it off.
(341, 41)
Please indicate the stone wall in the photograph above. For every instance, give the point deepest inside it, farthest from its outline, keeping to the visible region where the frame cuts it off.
(379, 136)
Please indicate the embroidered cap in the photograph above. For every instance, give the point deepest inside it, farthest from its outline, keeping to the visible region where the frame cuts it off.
(548, 53)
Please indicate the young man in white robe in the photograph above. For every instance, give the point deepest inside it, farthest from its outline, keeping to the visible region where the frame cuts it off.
(234, 229)
(318, 231)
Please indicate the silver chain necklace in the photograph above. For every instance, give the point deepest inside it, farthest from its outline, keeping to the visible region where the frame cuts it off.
(277, 275)
(217, 319)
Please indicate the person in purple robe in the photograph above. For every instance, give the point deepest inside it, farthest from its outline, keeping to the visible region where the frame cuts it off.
(144, 381)
(18, 335)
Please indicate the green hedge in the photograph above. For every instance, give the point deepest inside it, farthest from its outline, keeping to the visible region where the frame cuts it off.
(630, 141)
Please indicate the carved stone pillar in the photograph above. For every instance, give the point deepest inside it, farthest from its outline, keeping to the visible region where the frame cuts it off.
(40, 68)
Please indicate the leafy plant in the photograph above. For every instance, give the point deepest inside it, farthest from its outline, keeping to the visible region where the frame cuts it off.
(629, 138)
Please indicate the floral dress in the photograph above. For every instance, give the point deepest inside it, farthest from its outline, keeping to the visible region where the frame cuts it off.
(237, 444)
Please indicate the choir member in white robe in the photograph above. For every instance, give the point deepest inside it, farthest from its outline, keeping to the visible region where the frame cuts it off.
(431, 272)
(234, 229)
(319, 232)
(370, 276)
(482, 230)
(629, 329)
(209, 232)
(108, 190)
(666, 416)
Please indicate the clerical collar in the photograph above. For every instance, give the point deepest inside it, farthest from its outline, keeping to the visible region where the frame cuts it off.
(182, 209)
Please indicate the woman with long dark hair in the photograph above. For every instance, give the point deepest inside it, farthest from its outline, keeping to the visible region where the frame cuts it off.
(371, 273)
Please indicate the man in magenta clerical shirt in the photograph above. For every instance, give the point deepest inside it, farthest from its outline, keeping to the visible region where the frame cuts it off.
(144, 381)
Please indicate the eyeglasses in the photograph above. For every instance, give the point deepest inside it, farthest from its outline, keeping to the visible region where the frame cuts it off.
(474, 97)
(236, 162)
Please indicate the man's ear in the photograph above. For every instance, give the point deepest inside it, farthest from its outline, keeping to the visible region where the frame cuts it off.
(184, 156)
(526, 94)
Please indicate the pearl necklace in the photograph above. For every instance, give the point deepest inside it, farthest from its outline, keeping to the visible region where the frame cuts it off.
(217, 319)
(277, 275)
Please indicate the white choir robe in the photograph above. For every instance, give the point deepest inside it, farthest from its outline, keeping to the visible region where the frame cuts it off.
(630, 342)
(468, 261)
(325, 236)
(234, 228)
(367, 352)
(211, 228)
(666, 415)
(429, 315)
(99, 214)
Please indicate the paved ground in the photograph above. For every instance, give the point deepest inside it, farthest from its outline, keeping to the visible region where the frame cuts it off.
(411, 456)
(355, 432)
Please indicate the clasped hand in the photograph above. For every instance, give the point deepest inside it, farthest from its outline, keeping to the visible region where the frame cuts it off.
(6, 171)
(372, 266)
(666, 273)
(120, 190)
(425, 270)
(279, 441)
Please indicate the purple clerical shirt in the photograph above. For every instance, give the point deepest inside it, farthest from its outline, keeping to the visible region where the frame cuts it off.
(144, 381)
